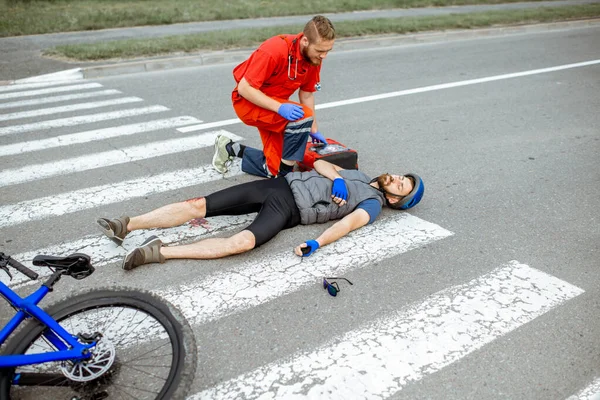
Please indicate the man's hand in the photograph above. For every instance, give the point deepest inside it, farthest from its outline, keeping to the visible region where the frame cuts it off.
(290, 111)
(318, 137)
(339, 191)
(306, 249)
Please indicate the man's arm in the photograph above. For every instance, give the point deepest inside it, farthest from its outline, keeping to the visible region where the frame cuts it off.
(339, 191)
(356, 219)
(308, 99)
(327, 169)
(257, 97)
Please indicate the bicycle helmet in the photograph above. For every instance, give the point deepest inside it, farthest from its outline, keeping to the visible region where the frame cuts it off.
(411, 199)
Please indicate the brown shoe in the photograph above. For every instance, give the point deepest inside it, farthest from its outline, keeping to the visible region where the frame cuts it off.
(148, 252)
(114, 229)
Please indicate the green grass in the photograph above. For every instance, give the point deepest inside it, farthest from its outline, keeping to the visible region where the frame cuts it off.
(247, 38)
(27, 17)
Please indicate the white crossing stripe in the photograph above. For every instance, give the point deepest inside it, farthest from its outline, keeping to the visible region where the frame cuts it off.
(57, 99)
(21, 86)
(251, 283)
(102, 251)
(96, 134)
(591, 392)
(64, 203)
(69, 108)
(210, 125)
(29, 93)
(382, 357)
(84, 119)
(114, 157)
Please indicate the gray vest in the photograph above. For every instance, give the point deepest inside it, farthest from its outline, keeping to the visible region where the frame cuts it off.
(312, 193)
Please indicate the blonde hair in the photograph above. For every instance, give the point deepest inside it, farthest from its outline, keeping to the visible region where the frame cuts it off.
(319, 27)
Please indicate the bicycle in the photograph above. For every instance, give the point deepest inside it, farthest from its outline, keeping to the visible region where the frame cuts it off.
(117, 343)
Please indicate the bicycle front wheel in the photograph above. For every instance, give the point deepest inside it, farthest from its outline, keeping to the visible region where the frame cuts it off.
(145, 350)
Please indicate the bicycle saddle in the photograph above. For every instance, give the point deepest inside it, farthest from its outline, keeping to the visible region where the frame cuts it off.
(76, 265)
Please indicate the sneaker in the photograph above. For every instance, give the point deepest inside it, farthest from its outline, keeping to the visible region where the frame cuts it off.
(221, 159)
(148, 252)
(114, 229)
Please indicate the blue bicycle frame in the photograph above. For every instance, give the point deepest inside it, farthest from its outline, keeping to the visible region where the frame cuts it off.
(69, 348)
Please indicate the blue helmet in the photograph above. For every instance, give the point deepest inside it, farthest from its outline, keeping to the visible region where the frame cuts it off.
(413, 198)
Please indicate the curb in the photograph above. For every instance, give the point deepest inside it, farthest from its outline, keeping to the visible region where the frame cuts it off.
(349, 44)
(346, 44)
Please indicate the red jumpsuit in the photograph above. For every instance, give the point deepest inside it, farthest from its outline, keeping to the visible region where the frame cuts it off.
(277, 69)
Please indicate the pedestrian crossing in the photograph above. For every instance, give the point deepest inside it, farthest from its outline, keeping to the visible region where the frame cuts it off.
(378, 359)
(374, 360)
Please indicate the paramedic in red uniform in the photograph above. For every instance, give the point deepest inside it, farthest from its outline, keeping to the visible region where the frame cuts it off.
(265, 82)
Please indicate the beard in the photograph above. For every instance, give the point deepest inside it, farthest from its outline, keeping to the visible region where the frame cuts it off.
(384, 180)
(304, 52)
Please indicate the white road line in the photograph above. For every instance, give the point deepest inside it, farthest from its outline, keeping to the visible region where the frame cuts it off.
(65, 203)
(210, 125)
(29, 93)
(591, 392)
(57, 99)
(84, 119)
(252, 282)
(96, 134)
(33, 85)
(69, 108)
(124, 155)
(73, 74)
(103, 252)
(381, 358)
(412, 91)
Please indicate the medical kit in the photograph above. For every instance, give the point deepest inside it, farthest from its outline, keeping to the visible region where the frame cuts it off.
(334, 152)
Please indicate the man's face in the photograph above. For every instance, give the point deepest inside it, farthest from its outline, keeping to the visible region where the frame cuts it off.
(395, 184)
(316, 52)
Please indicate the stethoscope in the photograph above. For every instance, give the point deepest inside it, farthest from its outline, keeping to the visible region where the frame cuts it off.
(290, 67)
(318, 84)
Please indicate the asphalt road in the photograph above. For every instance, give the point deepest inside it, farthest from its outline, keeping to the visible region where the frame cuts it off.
(22, 55)
(512, 177)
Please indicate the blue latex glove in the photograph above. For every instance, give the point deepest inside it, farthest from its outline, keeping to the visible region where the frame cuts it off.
(311, 247)
(318, 137)
(339, 189)
(290, 111)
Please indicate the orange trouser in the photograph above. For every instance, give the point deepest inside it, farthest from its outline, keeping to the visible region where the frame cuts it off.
(270, 126)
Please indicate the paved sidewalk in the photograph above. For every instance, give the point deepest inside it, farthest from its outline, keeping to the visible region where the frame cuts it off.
(21, 56)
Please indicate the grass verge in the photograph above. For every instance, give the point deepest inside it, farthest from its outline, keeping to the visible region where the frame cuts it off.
(28, 17)
(246, 38)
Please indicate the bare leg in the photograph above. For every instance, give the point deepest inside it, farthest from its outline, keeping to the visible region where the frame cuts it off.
(212, 247)
(170, 215)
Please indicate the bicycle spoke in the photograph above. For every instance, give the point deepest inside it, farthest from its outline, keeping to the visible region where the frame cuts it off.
(149, 351)
(140, 343)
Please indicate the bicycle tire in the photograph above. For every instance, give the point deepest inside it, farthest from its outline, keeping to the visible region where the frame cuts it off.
(184, 353)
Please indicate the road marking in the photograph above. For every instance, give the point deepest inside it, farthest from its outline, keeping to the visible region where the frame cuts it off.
(69, 108)
(123, 155)
(65, 203)
(84, 119)
(74, 74)
(591, 392)
(29, 93)
(412, 91)
(382, 357)
(96, 134)
(102, 251)
(33, 85)
(210, 125)
(251, 283)
(57, 99)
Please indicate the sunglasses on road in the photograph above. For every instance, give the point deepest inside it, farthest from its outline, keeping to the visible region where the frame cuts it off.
(332, 287)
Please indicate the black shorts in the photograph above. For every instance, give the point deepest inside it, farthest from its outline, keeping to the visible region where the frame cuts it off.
(272, 199)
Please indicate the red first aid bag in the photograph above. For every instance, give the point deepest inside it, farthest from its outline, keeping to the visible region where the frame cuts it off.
(334, 152)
